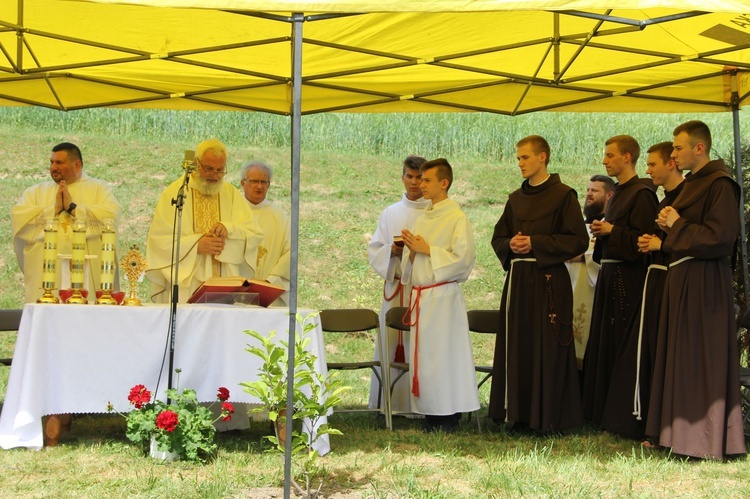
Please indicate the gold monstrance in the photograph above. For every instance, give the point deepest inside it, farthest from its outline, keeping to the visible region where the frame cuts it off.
(133, 264)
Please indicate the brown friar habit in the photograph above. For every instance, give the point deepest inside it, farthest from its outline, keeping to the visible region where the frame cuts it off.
(647, 326)
(542, 378)
(638, 365)
(695, 406)
(617, 297)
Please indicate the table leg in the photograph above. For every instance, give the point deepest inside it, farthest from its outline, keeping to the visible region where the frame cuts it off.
(54, 425)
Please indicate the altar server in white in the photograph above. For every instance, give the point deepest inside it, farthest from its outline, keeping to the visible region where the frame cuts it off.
(273, 261)
(218, 234)
(439, 255)
(385, 259)
(70, 194)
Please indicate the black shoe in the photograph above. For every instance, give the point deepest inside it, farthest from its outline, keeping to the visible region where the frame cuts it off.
(449, 428)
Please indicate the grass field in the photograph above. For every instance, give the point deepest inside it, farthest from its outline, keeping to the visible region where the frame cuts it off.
(350, 169)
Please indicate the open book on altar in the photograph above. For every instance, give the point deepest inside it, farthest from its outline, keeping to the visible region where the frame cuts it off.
(267, 292)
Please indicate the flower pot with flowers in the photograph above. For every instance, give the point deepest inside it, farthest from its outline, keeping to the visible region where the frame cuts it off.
(183, 427)
(314, 396)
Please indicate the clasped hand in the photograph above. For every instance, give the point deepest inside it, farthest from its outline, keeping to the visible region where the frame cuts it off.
(520, 244)
(648, 243)
(212, 243)
(62, 198)
(416, 244)
(600, 228)
(666, 218)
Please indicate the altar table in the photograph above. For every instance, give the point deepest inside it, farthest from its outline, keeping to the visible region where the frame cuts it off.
(77, 358)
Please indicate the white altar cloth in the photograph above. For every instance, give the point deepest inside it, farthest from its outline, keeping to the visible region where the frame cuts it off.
(77, 358)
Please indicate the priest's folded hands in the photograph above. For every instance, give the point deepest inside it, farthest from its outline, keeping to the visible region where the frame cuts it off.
(210, 245)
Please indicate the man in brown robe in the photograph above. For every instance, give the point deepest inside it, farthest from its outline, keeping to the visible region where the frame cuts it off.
(535, 367)
(642, 347)
(695, 406)
(630, 213)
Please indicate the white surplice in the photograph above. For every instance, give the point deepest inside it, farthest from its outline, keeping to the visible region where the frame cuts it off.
(447, 380)
(396, 217)
(240, 249)
(274, 251)
(94, 202)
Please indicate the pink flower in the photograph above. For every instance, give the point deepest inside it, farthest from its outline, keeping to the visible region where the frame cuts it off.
(139, 396)
(167, 420)
(223, 394)
(227, 409)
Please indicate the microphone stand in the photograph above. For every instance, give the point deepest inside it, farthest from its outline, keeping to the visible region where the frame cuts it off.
(189, 166)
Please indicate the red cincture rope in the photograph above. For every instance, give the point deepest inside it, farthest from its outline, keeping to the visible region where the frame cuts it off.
(407, 321)
(399, 355)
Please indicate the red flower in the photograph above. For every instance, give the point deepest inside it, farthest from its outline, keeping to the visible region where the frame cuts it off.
(139, 396)
(227, 409)
(167, 420)
(223, 394)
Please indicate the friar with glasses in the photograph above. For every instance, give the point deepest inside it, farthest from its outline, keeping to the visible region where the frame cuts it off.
(219, 236)
(274, 253)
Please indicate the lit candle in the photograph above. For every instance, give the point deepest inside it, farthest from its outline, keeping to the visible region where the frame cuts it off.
(78, 259)
(108, 254)
(49, 256)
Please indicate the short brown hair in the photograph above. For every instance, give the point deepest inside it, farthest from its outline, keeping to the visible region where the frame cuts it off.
(697, 131)
(444, 169)
(538, 143)
(626, 145)
(412, 162)
(664, 149)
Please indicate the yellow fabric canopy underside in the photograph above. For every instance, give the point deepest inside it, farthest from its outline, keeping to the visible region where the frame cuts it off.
(551, 56)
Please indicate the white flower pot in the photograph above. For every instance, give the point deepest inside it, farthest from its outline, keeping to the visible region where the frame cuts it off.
(161, 455)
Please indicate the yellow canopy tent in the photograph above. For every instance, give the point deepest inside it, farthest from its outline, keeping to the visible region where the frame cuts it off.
(382, 56)
(304, 57)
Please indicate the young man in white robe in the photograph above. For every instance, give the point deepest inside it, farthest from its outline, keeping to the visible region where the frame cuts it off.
(70, 194)
(439, 254)
(385, 259)
(274, 251)
(218, 234)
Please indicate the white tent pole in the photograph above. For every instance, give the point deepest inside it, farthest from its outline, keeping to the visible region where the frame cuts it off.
(740, 181)
(296, 122)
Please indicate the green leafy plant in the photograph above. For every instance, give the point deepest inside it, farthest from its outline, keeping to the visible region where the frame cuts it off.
(314, 396)
(182, 426)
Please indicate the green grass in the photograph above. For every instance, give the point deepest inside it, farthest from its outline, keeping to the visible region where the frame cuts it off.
(349, 173)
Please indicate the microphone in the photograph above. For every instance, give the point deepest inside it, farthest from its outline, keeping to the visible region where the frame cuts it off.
(189, 162)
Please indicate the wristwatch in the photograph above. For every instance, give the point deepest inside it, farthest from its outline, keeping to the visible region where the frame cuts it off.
(71, 207)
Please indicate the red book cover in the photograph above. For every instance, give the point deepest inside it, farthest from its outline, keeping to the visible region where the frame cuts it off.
(267, 292)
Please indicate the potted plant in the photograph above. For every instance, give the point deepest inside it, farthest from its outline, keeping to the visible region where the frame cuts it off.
(314, 396)
(181, 429)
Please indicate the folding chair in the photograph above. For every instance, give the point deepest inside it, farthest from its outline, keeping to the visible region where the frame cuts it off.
(393, 320)
(10, 320)
(483, 321)
(355, 320)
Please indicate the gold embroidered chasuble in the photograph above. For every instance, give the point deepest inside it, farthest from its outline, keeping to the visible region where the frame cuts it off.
(206, 215)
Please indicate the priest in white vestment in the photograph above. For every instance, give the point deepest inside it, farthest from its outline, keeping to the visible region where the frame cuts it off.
(70, 194)
(385, 259)
(439, 254)
(218, 236)
(583, 270)
(274, 251)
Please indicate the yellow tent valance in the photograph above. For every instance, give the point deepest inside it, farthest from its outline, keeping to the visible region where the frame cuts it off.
(71, 55)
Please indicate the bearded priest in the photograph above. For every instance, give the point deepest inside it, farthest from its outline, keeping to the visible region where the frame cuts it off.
(218, 234)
